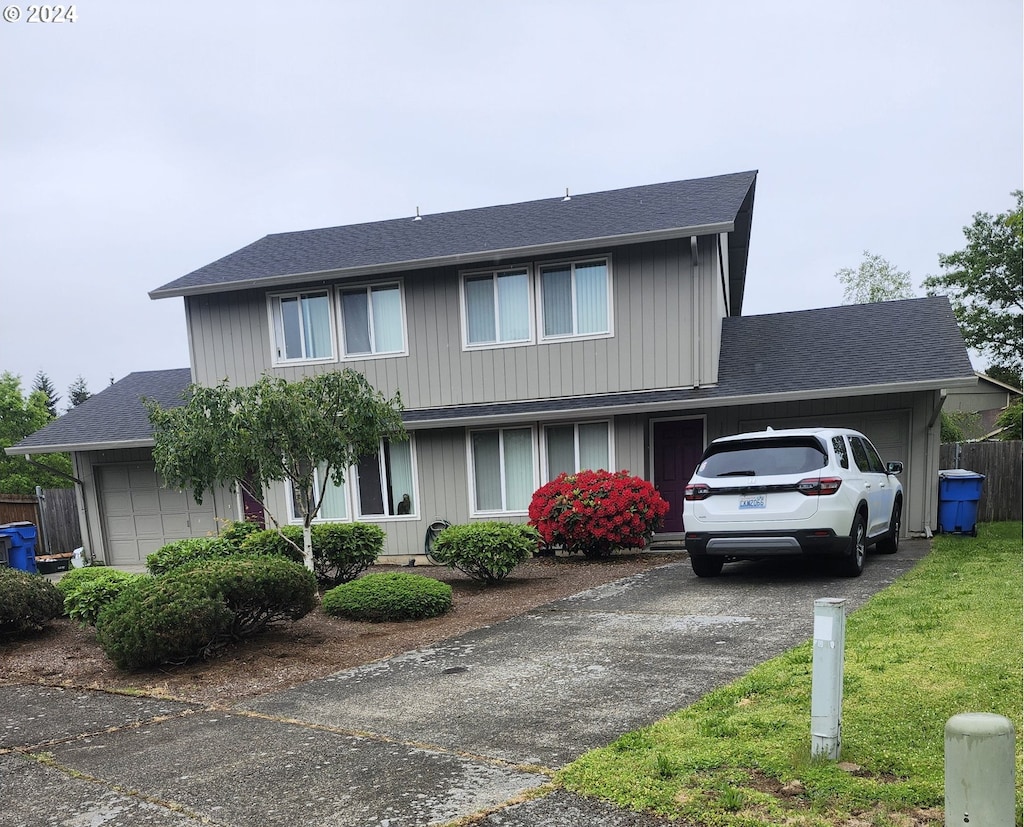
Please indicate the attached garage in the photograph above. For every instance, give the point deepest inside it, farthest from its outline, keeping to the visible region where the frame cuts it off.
(140, 515)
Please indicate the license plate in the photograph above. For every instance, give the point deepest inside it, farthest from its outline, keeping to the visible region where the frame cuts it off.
(756, 501)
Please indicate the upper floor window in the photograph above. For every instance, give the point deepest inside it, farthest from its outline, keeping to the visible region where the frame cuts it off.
(385, 486)
(574, 448)
(497, 307)
(302, 326)
(372, 320)
(574, 299)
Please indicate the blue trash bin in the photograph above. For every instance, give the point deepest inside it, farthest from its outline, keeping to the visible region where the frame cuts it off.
(21, 541)
(959, 492)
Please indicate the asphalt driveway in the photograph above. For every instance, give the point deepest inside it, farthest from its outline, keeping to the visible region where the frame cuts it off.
(464, 727)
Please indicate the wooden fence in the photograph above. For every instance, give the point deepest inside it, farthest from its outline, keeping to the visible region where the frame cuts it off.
(1002, 463)
(54, 513)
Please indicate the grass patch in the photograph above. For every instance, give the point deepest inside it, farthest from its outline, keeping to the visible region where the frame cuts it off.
(945, 638)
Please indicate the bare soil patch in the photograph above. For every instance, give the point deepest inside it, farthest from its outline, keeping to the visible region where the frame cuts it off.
(66, 654)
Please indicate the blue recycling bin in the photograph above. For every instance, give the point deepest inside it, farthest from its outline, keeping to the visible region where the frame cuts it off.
(959, 492)
(21, 542)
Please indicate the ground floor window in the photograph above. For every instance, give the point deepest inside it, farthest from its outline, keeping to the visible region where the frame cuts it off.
(334, 505)
(576, 447)
(386, 481)
(502, 462)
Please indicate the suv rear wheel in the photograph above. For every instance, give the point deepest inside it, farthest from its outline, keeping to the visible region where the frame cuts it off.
(704, 566)
(853, 563)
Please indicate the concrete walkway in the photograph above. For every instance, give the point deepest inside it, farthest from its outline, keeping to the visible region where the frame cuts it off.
(470, 726)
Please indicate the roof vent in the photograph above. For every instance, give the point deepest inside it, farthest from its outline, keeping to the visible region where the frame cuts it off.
(418, 216)
(567, 196)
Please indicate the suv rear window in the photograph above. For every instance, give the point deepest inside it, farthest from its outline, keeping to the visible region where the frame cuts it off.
(763, 457)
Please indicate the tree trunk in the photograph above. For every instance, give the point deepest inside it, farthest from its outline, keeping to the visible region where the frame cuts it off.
(307, 546)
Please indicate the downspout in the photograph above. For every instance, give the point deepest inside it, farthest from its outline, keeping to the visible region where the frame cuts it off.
(695, 315)
(931, 472)
(77, 481)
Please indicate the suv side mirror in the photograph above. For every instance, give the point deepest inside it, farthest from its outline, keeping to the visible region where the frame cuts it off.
(894, 467)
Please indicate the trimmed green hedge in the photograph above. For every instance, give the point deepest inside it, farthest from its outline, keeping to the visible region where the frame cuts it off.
(194, 610)
(340, 550)
(485, 551)
(88, 590)
(389, 596)
(27, 602)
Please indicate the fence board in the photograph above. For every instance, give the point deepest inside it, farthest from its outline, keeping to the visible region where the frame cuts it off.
(62, 530)
(1002, 463)
(18, 508)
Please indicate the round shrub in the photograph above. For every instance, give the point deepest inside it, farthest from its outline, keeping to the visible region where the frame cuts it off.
(236, 531)
(276, 541)
(158, 620)
(182, 552)
(87, 590)
(391, 596)
(597, 512)
(259, 590)
(485, 551)
(27, 602)
(341, 551)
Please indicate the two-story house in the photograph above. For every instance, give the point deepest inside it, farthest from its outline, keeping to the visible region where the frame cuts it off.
(599, 330)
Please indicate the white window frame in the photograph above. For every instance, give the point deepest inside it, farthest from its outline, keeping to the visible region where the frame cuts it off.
(473, 509)
(386, 518)
(296, 519)
(573, 264)
(493, 272)
(276, 320)
(340, 290)
(546, 471)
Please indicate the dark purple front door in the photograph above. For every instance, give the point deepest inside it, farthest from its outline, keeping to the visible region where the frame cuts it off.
(678, 444)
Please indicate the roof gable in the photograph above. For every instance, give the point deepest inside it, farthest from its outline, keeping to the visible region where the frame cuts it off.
(722, 203)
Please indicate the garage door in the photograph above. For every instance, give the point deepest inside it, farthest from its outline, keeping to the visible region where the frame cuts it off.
(888, 431)
(140, 515)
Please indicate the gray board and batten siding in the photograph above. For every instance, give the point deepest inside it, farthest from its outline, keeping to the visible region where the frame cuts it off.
(667, 304)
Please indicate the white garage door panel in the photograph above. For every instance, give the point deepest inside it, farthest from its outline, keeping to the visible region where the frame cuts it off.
(140, 516)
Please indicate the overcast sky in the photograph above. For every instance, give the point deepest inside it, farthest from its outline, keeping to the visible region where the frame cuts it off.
(145, 140)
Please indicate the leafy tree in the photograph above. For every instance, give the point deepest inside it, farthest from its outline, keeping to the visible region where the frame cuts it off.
(20, 417)
(43, 385)
(78, 392)
(308, 432)
(876, 280)
(1011, 420)
(984, 284)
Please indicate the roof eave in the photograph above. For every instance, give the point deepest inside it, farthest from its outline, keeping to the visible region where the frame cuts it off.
(610, 408)
(451, 260)
(76, 447)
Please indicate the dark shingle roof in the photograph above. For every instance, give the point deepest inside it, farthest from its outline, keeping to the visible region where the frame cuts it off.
(719, 203)
(886, 347)
(114, 417)
(856, 345)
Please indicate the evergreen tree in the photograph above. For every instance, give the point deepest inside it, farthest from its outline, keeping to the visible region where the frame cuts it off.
(78, 392)
(43, 384)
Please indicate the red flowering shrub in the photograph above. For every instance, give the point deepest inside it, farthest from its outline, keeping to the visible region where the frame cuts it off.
(596, 512)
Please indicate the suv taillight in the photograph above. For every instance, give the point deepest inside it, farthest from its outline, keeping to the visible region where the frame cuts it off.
(819, 487)
(697, 492)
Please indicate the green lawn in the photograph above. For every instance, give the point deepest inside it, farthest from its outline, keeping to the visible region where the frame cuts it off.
(944, 639)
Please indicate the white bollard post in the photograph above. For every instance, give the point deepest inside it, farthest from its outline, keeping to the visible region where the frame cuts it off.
(827, 677)
(980, 767)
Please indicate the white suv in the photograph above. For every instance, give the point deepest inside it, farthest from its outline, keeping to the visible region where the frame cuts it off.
(814, 491)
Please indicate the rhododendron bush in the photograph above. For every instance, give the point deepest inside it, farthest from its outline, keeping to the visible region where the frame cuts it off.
(596, 512)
